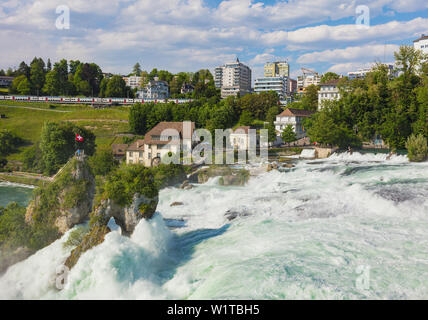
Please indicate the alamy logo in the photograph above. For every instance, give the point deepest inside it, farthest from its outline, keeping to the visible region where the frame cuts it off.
(363, 18)
(63, 20)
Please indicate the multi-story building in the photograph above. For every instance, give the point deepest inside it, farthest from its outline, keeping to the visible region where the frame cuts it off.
(279, 84)
(6, 81)
(421, 44)
(273, 69)
(233, 78)
(292, 86)
(306, 81)
(362, 73)
(328, 91)
(133, 82)
(166, 138)
(155, 89)
(293, 117)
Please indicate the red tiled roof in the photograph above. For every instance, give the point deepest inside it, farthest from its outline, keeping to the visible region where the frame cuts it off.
(168, 129)
(290, 112)
(330, 83)
(423, 37)
(119, 149)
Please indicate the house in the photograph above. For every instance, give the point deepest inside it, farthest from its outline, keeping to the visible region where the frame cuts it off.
(6, 81)
(163, 139)
(155, 89)
(239, 139)
(328, 91)
(119, 151)
(292, 117)
(187, 88)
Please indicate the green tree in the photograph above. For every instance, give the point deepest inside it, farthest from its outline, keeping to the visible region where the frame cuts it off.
(328, 76)
(137, 69)
(116, 87)
(417, 147)
(24, 87)
(246, 119)
(16, 82)
(37, 77)
(58, 144)
(138, 117)
(103, 162)
(9, 142)
(288, 135)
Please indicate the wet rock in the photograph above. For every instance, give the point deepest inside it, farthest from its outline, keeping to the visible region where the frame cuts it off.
(176, 204)
(233, 214)
(10, 258)
(94, 238)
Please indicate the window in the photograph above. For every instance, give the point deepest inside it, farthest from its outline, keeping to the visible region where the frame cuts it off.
(158, 155)
(130, 154)
(149, 155)
(141, 154)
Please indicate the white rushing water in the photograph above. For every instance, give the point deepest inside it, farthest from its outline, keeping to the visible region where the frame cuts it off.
(348, 227)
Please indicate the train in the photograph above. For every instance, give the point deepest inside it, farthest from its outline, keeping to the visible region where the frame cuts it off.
(86, 100)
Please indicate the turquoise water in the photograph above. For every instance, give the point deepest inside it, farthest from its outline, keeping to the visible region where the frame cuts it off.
(349, 227)
(10, 192)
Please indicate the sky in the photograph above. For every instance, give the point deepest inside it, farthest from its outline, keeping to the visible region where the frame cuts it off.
(188, 35)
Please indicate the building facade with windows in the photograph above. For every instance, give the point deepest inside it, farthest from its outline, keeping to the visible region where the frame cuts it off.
(279, 84)
(278, 68)
(328, 91)
(233, 78)
(133, 82)
(155, 89)
(421, 43)
(293, 117)
(165, 139)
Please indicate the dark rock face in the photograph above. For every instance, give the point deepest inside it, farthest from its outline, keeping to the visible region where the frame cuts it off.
(233, 214)
(176, 204)
(92, 239)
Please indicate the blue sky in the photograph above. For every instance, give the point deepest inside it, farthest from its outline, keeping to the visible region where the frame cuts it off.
(187, 35)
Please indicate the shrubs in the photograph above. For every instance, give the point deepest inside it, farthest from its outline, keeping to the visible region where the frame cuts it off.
(417, 148)
(9, 142)
(122, 184)
(103, 162)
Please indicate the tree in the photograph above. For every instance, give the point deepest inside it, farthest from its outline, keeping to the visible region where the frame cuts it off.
(137, 69)
(37, 75)
(57, 144)
(116, 87)
(48, 65)
(9, 142)
(310, 98)
(23, 70)
(288, 135)
(271, 132)
(24, 87)
(272, 113)
(328, 76)
(417, 147)
(53, 83)
(246, 119)
(16, 82)
(103, 162)
(138, 116)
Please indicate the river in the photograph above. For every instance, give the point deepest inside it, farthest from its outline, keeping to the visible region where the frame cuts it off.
(13, 192)
(348, 227)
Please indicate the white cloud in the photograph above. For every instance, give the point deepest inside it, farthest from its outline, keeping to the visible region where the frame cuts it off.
(371, 53)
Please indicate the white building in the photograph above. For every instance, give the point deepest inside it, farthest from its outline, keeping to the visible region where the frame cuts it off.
(155, 89)
(279, 84)
(421, 44)
(362, 73)
(164, 138)
(233, 78)
(293, 117)
(133, 82)
(328, 91)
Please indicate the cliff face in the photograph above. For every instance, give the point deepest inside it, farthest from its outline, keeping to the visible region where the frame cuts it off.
(67, 201)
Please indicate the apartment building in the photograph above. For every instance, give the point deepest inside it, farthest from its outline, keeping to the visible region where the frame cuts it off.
(328, 91)
(163, 139)
(278, 68)
(134, 82)
(279, 84)
(233, 78)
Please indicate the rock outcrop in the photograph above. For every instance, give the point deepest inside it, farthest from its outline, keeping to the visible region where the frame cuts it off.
(67, 201)
(90, 240)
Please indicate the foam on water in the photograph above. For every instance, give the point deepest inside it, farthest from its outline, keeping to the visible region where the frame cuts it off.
(300, 234)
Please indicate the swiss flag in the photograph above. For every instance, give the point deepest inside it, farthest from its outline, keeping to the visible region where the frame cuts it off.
(79, 138)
